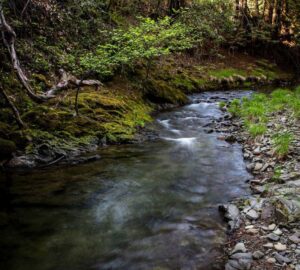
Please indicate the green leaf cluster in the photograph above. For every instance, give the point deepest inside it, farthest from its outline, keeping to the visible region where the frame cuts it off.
(148, 40)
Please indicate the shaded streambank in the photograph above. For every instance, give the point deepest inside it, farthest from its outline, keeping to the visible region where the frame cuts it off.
(121, 108)
(142, 206)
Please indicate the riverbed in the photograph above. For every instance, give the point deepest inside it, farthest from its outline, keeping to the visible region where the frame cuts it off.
(152, 205)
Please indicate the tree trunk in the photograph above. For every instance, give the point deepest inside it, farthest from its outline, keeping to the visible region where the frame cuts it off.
(13, 108)
(175, 5)
(271, 11)
(9, 38)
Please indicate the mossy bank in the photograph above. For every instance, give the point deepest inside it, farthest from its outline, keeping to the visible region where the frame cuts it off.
(116, 112)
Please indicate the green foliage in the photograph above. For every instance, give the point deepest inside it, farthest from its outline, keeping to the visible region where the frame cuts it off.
(256, 129)
(256, 112)
(222, 104)
(210, 22)
(226, 73)
(235, 107)
(282, 142)
(148, 40)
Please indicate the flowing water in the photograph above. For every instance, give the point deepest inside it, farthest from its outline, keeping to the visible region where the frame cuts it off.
(145, 206)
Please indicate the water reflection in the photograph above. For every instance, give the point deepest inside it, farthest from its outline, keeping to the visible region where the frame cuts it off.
(149, 206)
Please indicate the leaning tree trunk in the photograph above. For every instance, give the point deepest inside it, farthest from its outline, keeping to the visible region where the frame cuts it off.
(9, 39)
(13, 108)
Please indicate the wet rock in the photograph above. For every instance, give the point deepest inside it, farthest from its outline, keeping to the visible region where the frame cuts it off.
(282, 259)
(252, 215)
(232, 215)
(23, 162)
(258, 255)
(239, 247)
(273, 237)
(280, 247)
(230, 139)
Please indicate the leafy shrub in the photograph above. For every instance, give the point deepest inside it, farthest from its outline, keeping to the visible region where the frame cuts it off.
(148, 40)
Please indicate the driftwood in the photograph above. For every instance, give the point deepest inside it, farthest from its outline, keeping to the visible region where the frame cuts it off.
(68, 81)
(13, 108)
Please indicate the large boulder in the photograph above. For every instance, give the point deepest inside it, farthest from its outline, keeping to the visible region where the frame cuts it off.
(7, 148)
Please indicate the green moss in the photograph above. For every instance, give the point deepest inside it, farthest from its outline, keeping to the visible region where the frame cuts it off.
(226, 73)
(159, 91)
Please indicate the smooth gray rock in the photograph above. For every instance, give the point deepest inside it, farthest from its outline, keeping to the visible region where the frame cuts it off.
(239, 247)
(281, 259)
(273, 237)
(242, 256)
(258, 255)
(252, 215)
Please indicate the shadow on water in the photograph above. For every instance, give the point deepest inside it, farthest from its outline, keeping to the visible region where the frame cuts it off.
(148, 206)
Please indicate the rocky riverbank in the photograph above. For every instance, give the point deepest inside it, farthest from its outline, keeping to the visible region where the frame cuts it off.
(265, 229)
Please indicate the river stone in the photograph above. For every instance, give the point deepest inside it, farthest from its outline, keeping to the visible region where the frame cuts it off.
(281, 259)
(232, 214)
(271, 260)
(295, 238)
(239, 256)
(272, 227)
(258, 166)
(252, 214)
(258, 255)
(280, 247)
(297, 267)
(239, 247)
(268, 245)
(273, 237)
(278, 232)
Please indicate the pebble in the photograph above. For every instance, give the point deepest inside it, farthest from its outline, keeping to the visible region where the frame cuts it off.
(258, 255)
(278, 232)
(268, 245)
(281, 259)
(272, 227)
(295, 238)
(280, 247)
(273, 237)
(249, 227)
(271, 260)
(239, 247)
(258, 166)
(252, 215)
(253, 231)
(297, 267)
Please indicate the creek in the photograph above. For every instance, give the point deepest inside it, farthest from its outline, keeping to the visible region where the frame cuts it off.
(152, 205)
